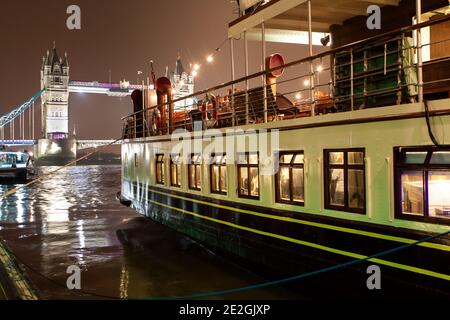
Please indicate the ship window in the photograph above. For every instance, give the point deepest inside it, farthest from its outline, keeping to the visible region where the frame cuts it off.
(423, 185)
(218, 173)
(248, 175)
(290, 178)
(345, 180)
(175, 170)
(194, 172)
(160, 169)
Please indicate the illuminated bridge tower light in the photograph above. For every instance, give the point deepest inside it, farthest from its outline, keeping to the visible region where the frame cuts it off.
(55, 100)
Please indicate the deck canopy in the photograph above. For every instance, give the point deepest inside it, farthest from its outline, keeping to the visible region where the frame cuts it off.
(287, 20)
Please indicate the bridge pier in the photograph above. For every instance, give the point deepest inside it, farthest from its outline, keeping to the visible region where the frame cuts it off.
(52, 152)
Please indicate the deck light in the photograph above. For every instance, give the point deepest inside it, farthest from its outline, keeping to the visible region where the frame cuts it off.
(210, 58)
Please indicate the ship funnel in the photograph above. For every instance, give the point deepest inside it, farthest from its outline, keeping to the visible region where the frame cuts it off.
(165, 105)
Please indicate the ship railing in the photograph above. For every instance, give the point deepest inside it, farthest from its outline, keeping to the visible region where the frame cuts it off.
(374, 72)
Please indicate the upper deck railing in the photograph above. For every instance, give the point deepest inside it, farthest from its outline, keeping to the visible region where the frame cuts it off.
(374, 72)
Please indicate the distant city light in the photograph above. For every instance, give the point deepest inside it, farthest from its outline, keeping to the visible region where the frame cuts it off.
(319, 68)
(196, 67)
(194, 73)
(210, 58)
(124, 84)
(306, 83)
(298, 96)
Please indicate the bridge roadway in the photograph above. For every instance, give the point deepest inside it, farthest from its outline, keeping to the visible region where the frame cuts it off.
(81, 144)
(110, 89)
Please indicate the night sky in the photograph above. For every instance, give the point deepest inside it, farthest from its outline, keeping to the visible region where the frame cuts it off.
(122, 36)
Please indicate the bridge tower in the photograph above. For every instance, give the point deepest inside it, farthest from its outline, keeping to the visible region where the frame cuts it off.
(55, 100)
(55, 146)
(183, 85)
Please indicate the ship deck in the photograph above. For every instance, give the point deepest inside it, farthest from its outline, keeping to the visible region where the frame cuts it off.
(344, 82)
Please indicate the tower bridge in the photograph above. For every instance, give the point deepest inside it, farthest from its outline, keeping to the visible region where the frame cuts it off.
(55, 144)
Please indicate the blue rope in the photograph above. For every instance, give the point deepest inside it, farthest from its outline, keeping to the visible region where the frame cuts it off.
(297, 277)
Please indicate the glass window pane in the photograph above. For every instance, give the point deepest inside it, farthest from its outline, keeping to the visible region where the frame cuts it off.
(356, 194)
(442, 157)
(299, 158)
(191, 176)
(215, 179)
(412, 192)
(158, 173)
(297, 185)
(415, 157)
(242, 158)
(174, 175)
(254, 182)
(243, 181)
(284, 182)
(336, 157)
(162, 173)
(253, 158)
(356, 158)
(197, 177)
(286, 158)
(336, 187)
(223, 178)
(439, 194)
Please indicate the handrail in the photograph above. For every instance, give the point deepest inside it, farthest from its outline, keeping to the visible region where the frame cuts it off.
(299, 61)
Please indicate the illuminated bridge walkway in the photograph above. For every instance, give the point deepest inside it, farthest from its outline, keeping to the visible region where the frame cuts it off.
(17, 127)
(106, 88)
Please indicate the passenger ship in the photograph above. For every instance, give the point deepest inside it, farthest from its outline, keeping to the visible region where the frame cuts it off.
(337, 157)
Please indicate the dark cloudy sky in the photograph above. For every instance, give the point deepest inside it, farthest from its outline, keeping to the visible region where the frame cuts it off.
(119, 35)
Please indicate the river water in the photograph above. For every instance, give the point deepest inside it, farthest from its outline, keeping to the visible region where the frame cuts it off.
(72, 218)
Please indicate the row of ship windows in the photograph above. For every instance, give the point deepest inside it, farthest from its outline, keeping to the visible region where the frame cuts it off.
(422, 179)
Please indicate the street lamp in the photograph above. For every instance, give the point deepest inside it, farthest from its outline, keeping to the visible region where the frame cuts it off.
(137, 78)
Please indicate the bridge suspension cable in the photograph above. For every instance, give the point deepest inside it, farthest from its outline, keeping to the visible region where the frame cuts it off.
(19, 114)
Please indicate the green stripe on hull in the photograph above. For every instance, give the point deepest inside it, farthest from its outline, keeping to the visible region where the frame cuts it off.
(431, 245)
(312, 245)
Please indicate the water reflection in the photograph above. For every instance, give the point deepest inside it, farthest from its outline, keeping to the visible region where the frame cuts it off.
(72, 218)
